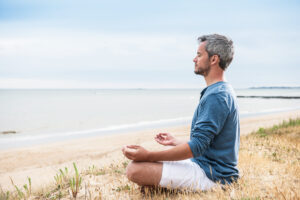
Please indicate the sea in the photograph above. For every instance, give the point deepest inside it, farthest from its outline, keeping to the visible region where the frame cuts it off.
(37, 116)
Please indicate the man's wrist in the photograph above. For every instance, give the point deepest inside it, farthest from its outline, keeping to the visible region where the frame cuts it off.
(154, 156)
(149, 156)
(178, 142)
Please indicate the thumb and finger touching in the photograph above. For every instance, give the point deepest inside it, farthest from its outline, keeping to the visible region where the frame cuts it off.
(133, 146)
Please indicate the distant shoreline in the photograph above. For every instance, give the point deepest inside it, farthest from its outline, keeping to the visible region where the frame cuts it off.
(269, 97)
(196, 88)
(275, 87)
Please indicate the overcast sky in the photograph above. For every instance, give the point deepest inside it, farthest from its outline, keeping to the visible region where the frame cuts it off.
(144, 44)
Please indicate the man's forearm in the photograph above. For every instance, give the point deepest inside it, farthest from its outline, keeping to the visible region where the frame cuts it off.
(179, 142)
(179, 152)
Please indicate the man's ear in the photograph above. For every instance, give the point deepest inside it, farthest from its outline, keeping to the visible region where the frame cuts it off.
(214, 59)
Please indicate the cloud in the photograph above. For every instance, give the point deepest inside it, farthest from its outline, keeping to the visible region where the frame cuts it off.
(70, 59)
(92, 50)
(141, 44)
(23, 83)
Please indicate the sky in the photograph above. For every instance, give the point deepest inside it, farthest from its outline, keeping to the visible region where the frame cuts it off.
(144, 44)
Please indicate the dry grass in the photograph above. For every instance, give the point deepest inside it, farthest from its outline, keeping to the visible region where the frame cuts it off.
(269, 162)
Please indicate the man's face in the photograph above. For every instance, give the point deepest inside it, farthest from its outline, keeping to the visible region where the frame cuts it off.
(202, 65)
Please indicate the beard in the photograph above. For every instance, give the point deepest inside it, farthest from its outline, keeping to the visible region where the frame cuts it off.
(202, 71)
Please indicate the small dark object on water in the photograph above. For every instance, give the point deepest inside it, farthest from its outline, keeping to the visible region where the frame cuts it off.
(9, 132)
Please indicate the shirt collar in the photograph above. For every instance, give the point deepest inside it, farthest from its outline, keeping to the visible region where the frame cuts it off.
(210, 86)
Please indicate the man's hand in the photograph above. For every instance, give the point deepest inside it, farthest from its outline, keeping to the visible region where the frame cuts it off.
(166, 139)
(135, 153)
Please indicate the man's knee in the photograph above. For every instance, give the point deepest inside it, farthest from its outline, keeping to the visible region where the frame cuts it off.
(132, 171)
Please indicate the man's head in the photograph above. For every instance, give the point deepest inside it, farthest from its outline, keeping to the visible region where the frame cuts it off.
(213, 50)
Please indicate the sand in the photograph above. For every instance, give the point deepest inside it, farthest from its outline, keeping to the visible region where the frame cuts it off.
(42, 162)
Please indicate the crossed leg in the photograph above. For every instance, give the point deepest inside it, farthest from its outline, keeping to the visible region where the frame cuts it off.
(144, 173)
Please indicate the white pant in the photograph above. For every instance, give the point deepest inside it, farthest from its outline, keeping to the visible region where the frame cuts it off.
(184, 174)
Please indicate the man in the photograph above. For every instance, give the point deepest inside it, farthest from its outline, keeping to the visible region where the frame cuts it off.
(211, 155)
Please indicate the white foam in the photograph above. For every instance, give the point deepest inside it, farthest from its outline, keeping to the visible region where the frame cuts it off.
(271, 110)
(140, 124)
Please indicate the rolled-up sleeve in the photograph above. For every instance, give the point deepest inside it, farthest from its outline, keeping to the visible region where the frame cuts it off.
(211, 116)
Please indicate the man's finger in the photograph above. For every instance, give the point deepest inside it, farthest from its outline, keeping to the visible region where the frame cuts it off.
(130, 152)
(159, 137)
(123, 148)
(133, 146)
(126, 153)
(158, 140)
(164, 134)
(129, 155)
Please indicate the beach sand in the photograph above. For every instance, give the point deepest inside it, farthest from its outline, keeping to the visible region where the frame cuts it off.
(42, 162)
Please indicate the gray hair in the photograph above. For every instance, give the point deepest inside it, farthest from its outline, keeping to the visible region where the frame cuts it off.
(219, 45)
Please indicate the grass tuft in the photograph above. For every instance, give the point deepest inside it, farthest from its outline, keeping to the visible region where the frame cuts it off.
(75, 182)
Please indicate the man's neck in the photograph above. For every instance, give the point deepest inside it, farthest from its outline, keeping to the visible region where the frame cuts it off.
(215, 75)
(209, 81)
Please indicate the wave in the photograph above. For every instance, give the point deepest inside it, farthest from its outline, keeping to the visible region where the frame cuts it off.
(100, 131)
(27, 139)
(267, 111)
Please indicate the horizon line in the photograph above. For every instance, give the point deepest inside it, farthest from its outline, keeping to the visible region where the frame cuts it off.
(149, 88)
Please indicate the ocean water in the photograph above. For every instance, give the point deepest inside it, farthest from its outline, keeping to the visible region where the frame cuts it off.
(39, 116)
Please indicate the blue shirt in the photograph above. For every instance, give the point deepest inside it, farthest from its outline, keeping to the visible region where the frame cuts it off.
(215, 133)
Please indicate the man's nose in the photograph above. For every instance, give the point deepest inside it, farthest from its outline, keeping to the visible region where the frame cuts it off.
(195, 59)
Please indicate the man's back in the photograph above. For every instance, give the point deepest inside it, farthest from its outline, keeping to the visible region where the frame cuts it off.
(215, 133)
